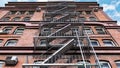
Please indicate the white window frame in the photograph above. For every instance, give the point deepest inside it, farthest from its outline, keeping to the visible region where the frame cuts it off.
(109, 41)
(92, 19)
(95, 41)
(101, 62)
(1, 64)
(103, 30)
(19, 33)
(1, 41)
(10, 41)
(117, 62)
(9, 28)
(16, 19)
(86, 30)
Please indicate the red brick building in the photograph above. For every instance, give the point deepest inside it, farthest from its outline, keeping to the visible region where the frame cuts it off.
(58, 35)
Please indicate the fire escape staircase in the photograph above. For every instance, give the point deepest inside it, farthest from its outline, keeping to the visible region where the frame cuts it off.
(86, 49)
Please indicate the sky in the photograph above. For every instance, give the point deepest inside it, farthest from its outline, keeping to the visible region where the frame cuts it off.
(111, 7)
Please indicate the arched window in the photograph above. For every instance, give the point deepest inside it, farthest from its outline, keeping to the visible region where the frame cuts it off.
(16, 19)
(7, 29)
(92, 19)
(1, 42)
(19, 31)
(94, 42)
(6, 19)
(1, 64)
(11, 42)
(118, 64)
(105, 64)
(88, 30)
(100, 30)
(26, 19)
(108, 42)
(82, 19)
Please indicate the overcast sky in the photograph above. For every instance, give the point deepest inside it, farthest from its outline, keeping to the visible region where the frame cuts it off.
(111, 7)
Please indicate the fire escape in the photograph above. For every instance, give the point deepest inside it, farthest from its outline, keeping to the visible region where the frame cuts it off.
(62, 28)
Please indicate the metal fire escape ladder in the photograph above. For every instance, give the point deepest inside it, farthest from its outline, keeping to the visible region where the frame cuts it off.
(93, 50)
(60, 51)
(81, 50)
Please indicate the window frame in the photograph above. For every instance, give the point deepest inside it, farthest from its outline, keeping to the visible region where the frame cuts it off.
(92, 19)
(98, 44)
(82, 19)
(1, 40)
(113, 44)
(1, 64)
(26, 19)
(101, 62)
(18, 19)
(90, 30)
(8, 28)
(17, 29)
(100, 28)
(8, 42)
(6, 19)
(117, 62)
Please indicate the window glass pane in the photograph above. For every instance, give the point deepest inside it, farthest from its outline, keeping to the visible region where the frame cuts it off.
(26, 19)
(88, 12)
(118, 64)
(11, 43)
(94, 43)
(82, 19)
(93, 19)
(88, 30)
(7, 29)
(6, 19)
(108, 43)
(105, 64)
(16, 19)
(1, 64)
(12, 12)
(19, 31)
(100, 30)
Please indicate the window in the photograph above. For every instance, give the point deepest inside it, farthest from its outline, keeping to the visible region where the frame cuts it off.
(1, 41)
(11, 43)
(7, 29)
(94, 43)
(19, 31)
(88, 30)
(82, 19)
(118, 64)
(21, 12)
(26, 19)
(16, 19)
(100, 30)
(30, 12)
(105, 64)
(42, 42)
(1, 64)
(88, 12)
(93, 19)
(6, 19)
(12, 12)
(108, 43)
(82, 66)
(46, 31)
